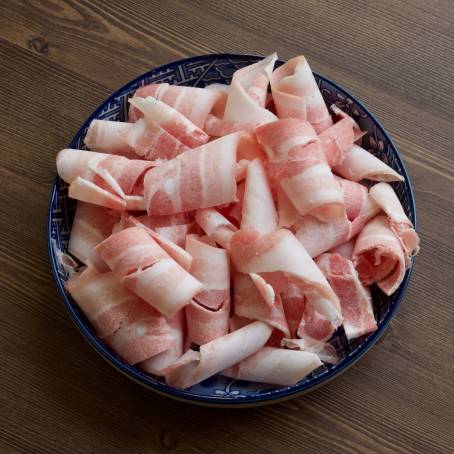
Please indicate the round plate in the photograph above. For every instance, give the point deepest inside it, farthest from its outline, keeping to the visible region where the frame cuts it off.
(219, 390)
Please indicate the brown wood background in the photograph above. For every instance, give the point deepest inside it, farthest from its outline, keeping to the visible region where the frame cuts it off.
(59, 60)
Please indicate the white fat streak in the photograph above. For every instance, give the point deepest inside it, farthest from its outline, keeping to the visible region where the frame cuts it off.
(107, 177)
(286, 145)
(204, 158)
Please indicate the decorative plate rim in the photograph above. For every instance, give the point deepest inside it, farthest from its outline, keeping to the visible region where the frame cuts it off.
(273, 395)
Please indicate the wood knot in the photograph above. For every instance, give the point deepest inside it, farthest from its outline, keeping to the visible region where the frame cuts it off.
(39, 45)
(168, 441)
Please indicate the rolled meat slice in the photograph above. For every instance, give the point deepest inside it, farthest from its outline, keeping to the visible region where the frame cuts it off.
(275, 365)
(287, 213)
(199, 178)
(325, 351)
(175, 123)
(245, 106)
(355, 299)
(249, 302)
(258, 212)
(249, 148)
(91, 225)
(294, 303)
(280, 256)
(211, 267)
(344, 249)
(299, 165)
(378, 256)
(204, 324)
(237, 208)
(109, 137)
(157, 363)
(338, 139)
(359, 164)
(147, 270)
(403, 228)
(152, 142)
(296, 94)
(315, 327)
(217, 355)
(101, 297)
(100, 178)
(222, 90)
(192, 102)
(215, 225)
(355, 197)
(144, 334)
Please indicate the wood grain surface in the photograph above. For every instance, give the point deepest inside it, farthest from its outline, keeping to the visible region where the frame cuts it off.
(59, 60)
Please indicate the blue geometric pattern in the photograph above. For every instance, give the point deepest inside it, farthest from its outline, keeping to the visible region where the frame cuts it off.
(218, 390)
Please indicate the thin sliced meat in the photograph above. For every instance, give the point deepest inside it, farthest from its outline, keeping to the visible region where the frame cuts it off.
(241, 170)
(192, 102)
(344, 249)
(296, 94)
(326, 352)
(248, 302)
(338, 139)
(145, 333)
(237, 208)
(318, 237)
(299, 165)
(215, 225)
(275, 365)
(211, 267)
(147, 270)
(245, 106)
(205, 325)
(294, 303)
(217, 355)
(237, 322)
(104, 301)
(249, 148)
(314, 326)
(403, 228)
(222, 90)
(359, 164)
(355, 299)
(151, 142)
(368, 211)
(156, 364)
(175, 123)
(354, 195)
(259, 212)
(287, 213)
(378, 256)
(199, 178)
(91, 225)
(280, 256)
(109, 137)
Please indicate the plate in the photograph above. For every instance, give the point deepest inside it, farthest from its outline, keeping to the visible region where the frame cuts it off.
(219, 390)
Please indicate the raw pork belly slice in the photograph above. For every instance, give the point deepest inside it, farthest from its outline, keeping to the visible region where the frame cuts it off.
(145, 334)
(151, 142)
(199, 178)
(299, 165)
(156, 364)
(91, 225)
(387, 199)
(315, 327)
(102, 298)
(192, 102)
(294, 303)
(237, 207)
(222, 90)
(355, 299)
(109, 137)
(147, 270)
(258, 211)
(99, 178)
(326, 352)
(215, 226)
(378, 256)
(248, 302)
(176, 124)
(245, 106)
(249, 148)
(217, 355)
(344, 249)
(296, 94)
(279, 256)
(211, 267)
(287, 213)
(359, 164)
(355, 197)
(276, 366)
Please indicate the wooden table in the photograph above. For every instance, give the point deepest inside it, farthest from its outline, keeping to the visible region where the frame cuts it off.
(59, 60)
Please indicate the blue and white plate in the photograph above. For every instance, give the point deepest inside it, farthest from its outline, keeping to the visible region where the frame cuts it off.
(218, 390)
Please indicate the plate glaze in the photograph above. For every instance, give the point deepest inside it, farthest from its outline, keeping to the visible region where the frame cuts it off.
(219, 390)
